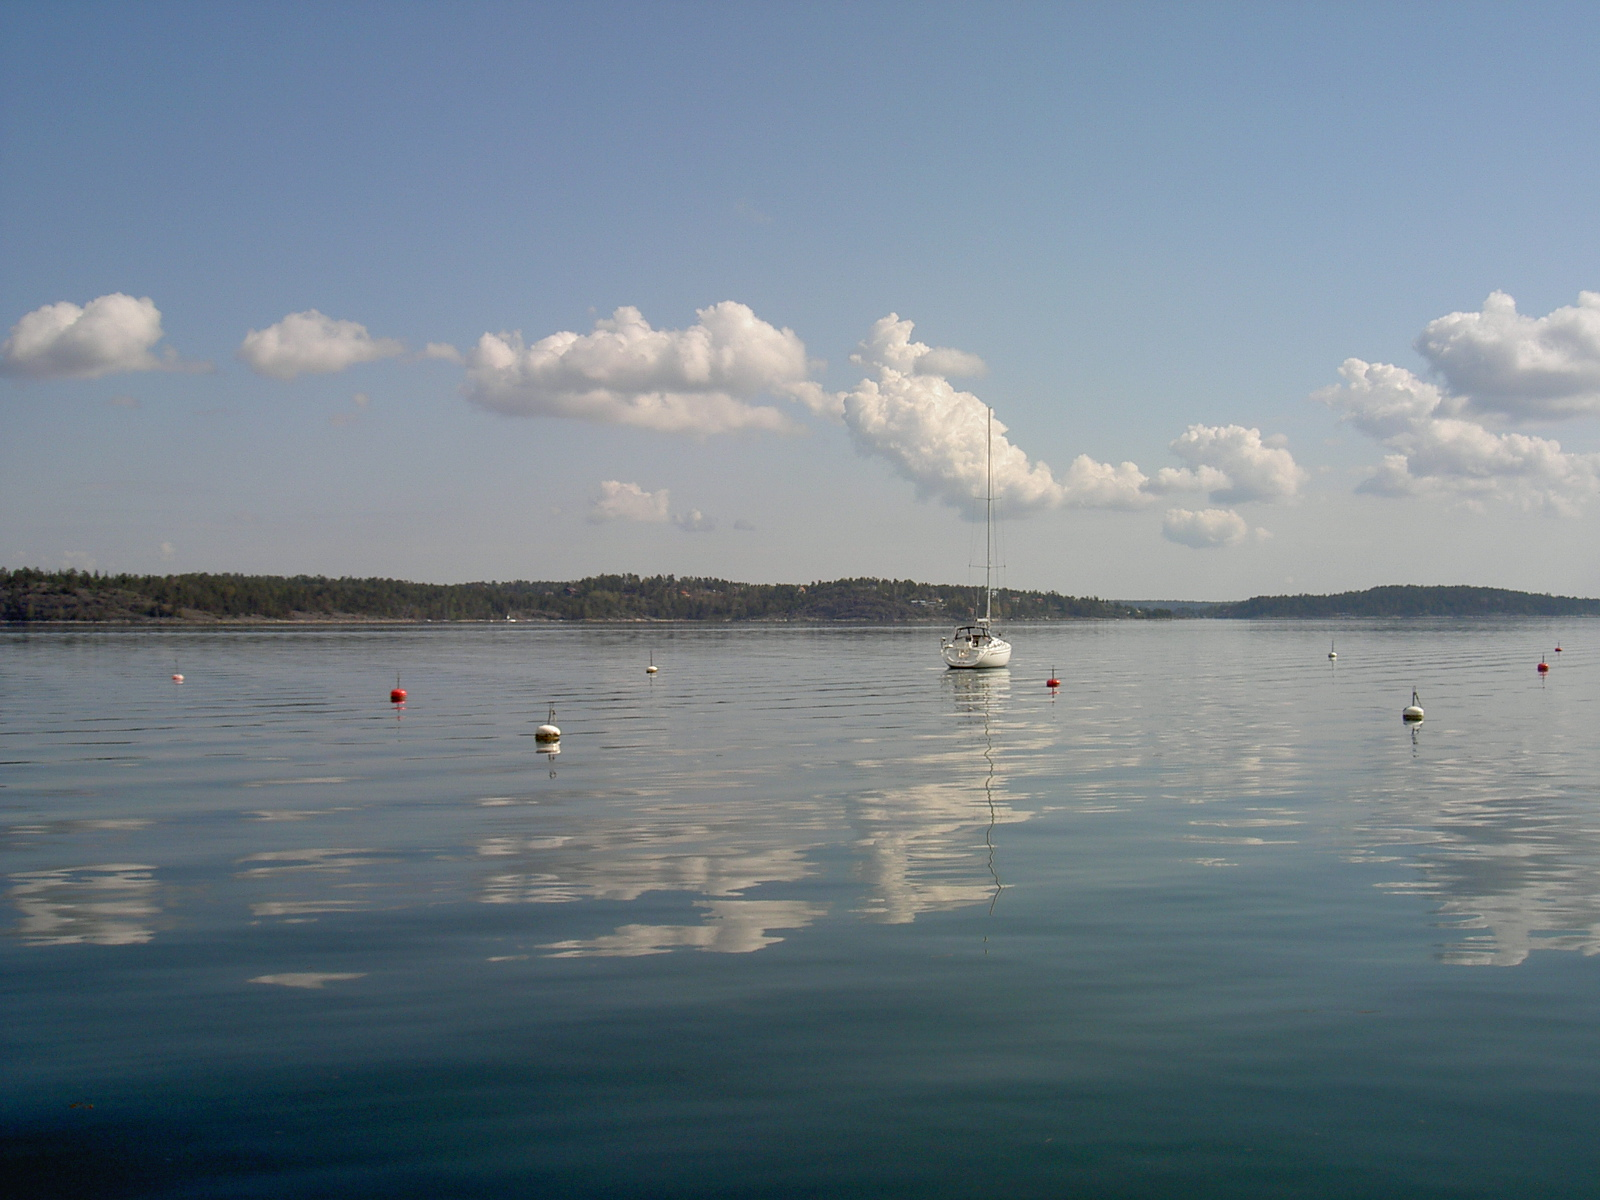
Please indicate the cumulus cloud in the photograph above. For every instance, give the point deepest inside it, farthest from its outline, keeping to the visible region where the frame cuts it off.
(890, 345)
(1438, 452)
(1208, 529)
(309, 343)
(1233, 464)
(1499, 361)
(937, 437)
(697, 380)
(620, 501)
(109, 335)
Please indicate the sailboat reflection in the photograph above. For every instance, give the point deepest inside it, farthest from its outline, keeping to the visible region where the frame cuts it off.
(918, 841)
(983, 698)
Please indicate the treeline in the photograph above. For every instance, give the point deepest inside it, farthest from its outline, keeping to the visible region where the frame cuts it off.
(1413, 601)
(31, 595)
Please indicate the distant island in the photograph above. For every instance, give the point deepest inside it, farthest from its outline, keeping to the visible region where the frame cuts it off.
(28, 596)
(31, 596)
(1411, 601)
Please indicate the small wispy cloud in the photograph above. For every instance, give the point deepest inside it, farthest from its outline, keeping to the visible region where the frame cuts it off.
(750, 214)
(694, 521)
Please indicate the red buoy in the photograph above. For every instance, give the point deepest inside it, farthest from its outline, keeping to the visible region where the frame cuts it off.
(1558, 649)
(397, 696)
(1052, 682)
(177, 679)
(1543, 666)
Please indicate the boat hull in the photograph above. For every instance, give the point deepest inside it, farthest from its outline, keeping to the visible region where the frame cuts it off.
(965, 656)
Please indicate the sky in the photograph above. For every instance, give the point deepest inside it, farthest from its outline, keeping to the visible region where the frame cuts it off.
(1264, 298)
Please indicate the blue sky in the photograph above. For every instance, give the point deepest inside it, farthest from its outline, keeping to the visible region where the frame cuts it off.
(1153, 232)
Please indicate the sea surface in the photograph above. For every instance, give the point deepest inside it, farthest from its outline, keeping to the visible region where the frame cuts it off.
(802, 915)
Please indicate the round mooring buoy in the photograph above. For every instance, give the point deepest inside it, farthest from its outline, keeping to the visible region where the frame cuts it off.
(176, 678)
(397, 694)
(1412, 711)
(1052, 682)
(548, 732)
(1543, 666)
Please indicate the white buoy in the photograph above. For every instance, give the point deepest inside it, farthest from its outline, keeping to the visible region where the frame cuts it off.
(1332, 654)
(1412, 711)
(548, 732)
(652, 668)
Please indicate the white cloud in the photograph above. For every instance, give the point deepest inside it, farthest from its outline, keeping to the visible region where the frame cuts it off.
(168, 552)
(696, 380)
(890, 345)
(694, 521)
(309, 343)
(1439, 453)
(1499, 361)
(1233, 464)
(443, 351)
(109, 335)
(620, 501)
(1208, 529)
(937, 437)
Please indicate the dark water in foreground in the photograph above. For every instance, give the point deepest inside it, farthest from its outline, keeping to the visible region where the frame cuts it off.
(806, 915)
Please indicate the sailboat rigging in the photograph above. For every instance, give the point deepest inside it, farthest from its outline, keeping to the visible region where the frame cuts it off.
(976, 645)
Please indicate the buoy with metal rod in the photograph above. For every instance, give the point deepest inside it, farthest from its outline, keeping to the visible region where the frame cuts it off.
(1412, 711)
(652, 668)
(1332, 653)
(1543, 666)
(1052, 682)
(397, 694)
(548, 732)
(1558, 649)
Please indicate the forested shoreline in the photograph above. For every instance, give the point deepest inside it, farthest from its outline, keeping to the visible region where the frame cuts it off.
(29, 596)
(32, 596)
(1411, 600)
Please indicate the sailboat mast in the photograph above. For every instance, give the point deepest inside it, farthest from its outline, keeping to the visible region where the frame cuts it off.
(988, 525)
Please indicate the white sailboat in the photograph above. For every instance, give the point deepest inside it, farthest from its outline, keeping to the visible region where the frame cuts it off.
(977, 646)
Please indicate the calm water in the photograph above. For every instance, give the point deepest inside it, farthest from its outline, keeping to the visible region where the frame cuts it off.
(804, 915)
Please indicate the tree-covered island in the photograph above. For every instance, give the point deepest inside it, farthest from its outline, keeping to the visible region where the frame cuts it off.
(37, 596)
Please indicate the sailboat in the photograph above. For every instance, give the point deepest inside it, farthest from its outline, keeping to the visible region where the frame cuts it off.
(976, 645)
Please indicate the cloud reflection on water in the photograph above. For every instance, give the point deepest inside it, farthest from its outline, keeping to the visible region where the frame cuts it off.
(748, 801)
(108, 904)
